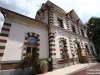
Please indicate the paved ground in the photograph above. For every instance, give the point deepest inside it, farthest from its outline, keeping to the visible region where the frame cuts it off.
(94, 70)
(70, 69)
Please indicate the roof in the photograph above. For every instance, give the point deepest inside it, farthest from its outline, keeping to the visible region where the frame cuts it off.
(12, 12)
(49, 3)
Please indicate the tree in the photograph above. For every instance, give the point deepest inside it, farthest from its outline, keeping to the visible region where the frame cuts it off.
(94, 32)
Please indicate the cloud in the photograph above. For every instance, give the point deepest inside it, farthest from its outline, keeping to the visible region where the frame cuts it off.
(84, 8)
(13, 5)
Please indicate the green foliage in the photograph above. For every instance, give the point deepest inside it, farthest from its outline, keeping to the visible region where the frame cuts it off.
(94, 32)
(44, 64)
(94, 28)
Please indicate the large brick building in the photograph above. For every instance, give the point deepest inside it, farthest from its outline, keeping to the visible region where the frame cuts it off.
(51, 34)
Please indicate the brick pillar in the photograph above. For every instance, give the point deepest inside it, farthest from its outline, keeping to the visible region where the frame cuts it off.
(51, 37)
(67, 22)
(4, 37)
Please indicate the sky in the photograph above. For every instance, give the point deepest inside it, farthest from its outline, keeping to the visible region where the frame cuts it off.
(84, 8)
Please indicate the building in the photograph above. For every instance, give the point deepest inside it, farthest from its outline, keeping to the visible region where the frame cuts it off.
(54, 33)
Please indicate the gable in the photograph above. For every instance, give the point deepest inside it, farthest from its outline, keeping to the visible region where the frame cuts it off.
(72, 15)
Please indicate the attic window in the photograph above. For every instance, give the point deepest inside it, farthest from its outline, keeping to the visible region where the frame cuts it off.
(82, 32)
(60, 22)
(73, 29)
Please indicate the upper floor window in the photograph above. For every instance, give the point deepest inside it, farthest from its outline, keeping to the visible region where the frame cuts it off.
(73, 29)
(60, 22)
(82, 32)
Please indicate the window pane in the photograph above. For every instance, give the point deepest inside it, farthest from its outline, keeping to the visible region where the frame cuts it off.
(33, 51)
(32, 41)
(82, 32)
(73, 29)
(28, 49)
(61, 43)
(60, 21)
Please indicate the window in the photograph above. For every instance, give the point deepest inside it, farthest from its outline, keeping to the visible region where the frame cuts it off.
(62, 43)
(31, 46)
(60, 22)
(73, 29)
(63, 48)
(82, 32)
(32, 41)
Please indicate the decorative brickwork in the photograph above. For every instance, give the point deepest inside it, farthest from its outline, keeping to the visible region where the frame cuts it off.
(52, 44)
(77, 22)
(31, 34)
(67, 24)
(50, 16)
(72, 46)
(3, 37)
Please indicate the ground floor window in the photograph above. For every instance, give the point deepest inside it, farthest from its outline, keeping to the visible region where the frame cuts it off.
(31, 46)
(63, 48)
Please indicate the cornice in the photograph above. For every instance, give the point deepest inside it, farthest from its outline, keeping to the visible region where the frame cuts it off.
(69, 32)
(76, 23)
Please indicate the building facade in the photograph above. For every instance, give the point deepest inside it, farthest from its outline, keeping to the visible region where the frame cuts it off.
(53, 33)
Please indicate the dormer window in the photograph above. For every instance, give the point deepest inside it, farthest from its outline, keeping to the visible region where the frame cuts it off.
(82, 32)
(60, 22)
(73, 29)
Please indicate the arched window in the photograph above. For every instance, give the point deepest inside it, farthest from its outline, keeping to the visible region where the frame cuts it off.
(31, 46)
(63, 48)
(73, 29)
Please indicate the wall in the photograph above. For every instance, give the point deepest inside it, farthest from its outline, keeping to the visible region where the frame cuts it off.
(63, 33)
(14, 45)
(55, 15)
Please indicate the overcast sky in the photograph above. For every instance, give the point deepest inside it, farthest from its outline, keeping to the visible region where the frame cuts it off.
(84, 8)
